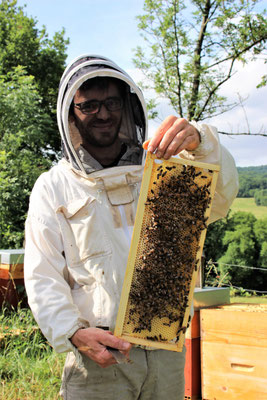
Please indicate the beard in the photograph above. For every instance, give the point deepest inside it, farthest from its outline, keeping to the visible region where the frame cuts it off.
(99, 133)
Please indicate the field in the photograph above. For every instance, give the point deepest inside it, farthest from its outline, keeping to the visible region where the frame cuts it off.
(249, 299)
(249, 205)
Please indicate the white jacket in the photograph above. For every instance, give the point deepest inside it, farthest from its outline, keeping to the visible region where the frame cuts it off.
(78, 234)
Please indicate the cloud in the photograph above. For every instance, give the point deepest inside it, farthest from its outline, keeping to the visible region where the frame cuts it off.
(252, 114)
(246, 150)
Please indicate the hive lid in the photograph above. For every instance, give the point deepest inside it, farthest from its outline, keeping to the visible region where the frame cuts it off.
(15, 256)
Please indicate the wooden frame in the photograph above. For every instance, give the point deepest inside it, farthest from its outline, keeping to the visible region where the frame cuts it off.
(155, 175)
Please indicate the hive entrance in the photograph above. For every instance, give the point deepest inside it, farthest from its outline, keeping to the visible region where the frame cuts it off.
(166, 247)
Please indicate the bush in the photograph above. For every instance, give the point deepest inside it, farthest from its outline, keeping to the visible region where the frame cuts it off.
(239, 240)
(260, 197)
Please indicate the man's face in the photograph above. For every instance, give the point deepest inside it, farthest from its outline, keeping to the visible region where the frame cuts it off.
(100, 129)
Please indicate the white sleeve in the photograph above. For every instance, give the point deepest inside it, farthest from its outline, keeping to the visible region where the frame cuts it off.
(48, 291)
(211, 151)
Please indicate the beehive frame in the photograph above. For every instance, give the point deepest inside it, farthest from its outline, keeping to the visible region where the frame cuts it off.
(158, 288)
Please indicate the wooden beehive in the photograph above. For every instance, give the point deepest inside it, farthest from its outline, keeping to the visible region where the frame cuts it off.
(192, 370)
(170, 226)
(234, 352)
(12, 277)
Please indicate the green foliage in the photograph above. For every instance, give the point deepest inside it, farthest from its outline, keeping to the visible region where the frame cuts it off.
(241, 250)
(260, 197)
(31, 65)
(246, 297)
(17, 325)
(214, 247)
(260, 229)
(29, 368)
(24, 153)
(241, 241)
(240, 238)
(192, 48)
(252, 179)
(22, 44)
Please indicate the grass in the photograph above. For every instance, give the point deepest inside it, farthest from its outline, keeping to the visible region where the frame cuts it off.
(249, 205)
(249, 299)
(29, 367)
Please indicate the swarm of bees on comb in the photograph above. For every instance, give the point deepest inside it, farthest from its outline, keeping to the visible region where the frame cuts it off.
(167, 254)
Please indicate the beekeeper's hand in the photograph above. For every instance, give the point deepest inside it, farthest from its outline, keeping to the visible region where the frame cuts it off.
(93, 341)
(172, 136)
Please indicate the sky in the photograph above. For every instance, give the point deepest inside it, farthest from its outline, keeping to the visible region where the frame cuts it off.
(109, 28)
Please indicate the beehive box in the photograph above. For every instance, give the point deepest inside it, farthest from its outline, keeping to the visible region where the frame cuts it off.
(170, 226)
(192, 359)
(234, 352)
(12, 277)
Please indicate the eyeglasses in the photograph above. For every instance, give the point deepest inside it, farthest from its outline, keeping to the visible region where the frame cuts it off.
(94, 106)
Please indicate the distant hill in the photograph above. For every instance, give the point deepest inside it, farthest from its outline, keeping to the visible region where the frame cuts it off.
(261, 169)
(251, 179)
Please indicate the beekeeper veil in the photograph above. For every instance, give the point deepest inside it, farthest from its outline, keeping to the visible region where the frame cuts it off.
(133, 128)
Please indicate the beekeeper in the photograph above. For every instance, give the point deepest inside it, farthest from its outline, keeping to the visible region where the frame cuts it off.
(79, 228)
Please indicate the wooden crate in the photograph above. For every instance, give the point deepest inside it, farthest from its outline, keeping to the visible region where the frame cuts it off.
(192, 369)
(12, 277)
(234, 352)
(159, 282)
(193, 330)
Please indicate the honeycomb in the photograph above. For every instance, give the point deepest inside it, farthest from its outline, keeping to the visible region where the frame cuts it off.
(166, 248)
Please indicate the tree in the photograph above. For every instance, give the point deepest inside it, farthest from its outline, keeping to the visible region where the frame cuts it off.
(31, 65)
(23, 152)
(260, 197)
(21, 43)
(237, 240)
(251, 180)
(194, 47)
(213, 246)
(244, 242)
(260, 229)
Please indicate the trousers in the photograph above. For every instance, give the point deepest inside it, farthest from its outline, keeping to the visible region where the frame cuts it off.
(153, 375)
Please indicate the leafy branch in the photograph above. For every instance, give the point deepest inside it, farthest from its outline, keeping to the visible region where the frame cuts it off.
(194, 47)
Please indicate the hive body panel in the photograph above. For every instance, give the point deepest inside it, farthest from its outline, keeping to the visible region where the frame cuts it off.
(168, 237)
